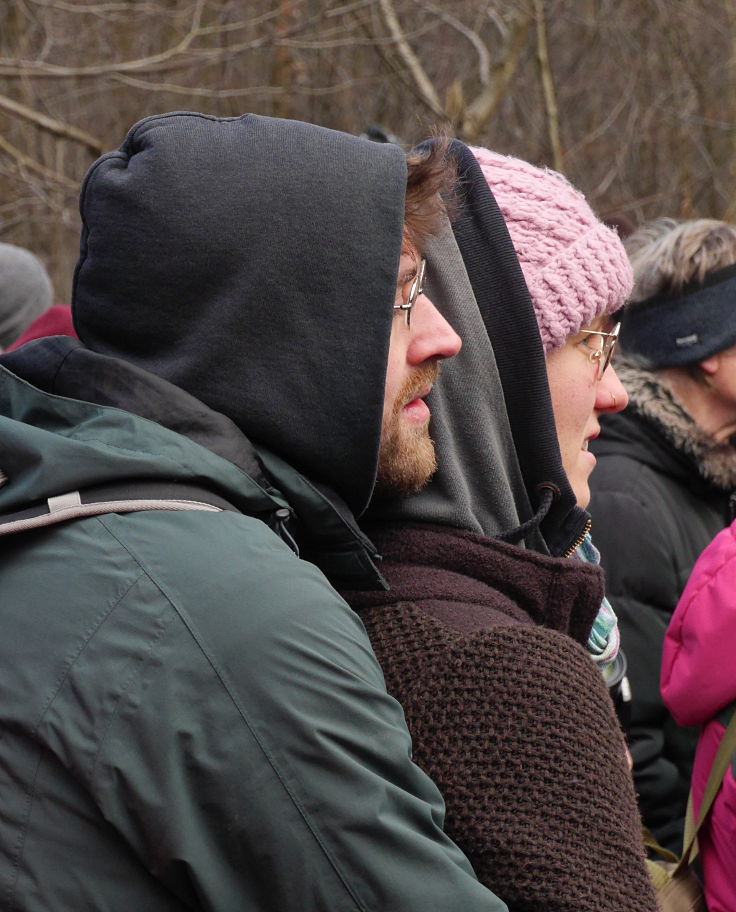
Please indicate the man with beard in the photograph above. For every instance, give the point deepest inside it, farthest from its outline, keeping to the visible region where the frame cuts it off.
(192, 717)
(406, 459)
(495, 651)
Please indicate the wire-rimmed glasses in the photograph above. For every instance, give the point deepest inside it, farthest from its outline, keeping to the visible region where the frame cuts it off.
(417, 288)
(602, 350)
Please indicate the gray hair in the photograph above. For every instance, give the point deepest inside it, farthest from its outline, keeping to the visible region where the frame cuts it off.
(666, 254)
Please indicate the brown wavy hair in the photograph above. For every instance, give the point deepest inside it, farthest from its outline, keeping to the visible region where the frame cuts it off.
(431, 175)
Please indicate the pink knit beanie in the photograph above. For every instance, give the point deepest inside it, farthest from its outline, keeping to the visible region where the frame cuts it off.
(575, 267)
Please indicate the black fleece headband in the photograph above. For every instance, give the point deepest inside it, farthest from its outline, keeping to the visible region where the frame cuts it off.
(676, 331)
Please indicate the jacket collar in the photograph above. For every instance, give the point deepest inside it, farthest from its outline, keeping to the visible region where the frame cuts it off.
(96, 420)
(653, 402)
(439, 563)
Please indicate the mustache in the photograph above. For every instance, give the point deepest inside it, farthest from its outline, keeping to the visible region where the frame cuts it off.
(421, 377)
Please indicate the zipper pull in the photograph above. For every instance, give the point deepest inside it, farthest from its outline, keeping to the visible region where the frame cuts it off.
(281, 517)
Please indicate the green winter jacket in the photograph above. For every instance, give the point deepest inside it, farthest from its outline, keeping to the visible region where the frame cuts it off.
(191, 717)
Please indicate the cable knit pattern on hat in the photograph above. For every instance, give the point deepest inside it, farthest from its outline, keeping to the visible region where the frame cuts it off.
(576, 268)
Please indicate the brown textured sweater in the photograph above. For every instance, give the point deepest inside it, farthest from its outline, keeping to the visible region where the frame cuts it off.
(509, 715)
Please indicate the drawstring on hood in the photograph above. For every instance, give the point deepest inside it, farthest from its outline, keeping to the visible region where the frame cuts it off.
(520, 532)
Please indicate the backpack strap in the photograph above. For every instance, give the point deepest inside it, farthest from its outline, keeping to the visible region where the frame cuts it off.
(126, 497)
(132, 497)
(721, 762)
(724, 717)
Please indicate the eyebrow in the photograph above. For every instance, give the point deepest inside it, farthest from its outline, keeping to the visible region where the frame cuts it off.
(409, 275)
(602, 324)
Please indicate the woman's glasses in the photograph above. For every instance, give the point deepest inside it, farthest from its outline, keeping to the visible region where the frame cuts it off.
(601, 346)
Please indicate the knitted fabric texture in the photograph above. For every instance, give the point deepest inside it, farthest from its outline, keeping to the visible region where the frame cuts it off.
(576, 268)
(510, 719)
(25, 291)
(677, 329)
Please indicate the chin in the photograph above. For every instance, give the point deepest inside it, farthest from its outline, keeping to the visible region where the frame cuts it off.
(406, 462)
(581, 491)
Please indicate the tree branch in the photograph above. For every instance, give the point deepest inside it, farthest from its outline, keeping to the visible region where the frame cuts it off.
(96, 8)
(422, 82)
(20, 68)
(548, 88)
(26, 162)
(201, 92)
(51, 125)
(484, 57)
(480, 111)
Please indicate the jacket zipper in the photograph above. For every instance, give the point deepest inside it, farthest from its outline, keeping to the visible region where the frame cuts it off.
(579, 540)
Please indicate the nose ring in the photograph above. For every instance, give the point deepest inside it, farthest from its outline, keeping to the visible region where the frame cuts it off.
(613, 399)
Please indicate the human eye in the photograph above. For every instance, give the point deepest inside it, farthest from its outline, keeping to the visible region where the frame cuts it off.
(594, 341)
(405, 284)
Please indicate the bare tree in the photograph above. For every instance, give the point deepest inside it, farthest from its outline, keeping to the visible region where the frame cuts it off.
(633, 99)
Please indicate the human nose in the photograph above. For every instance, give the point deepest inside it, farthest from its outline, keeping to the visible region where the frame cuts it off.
(611, 395)
(431, 334)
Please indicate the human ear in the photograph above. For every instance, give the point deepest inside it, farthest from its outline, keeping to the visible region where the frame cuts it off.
(709, 366)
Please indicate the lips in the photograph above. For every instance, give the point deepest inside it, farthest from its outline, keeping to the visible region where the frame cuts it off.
(419, 394)
(409, 402)
(416, 409)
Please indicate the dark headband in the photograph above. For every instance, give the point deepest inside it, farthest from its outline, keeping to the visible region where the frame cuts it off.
(677, 330)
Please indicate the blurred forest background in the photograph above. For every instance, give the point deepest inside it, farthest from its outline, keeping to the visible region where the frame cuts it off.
(635, 100)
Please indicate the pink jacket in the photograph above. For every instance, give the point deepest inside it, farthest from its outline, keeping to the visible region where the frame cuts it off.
(698, 681)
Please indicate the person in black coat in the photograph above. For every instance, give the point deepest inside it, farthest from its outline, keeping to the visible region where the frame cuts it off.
(666, 470)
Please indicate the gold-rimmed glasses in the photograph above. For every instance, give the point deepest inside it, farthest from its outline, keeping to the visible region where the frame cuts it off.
(601, 346)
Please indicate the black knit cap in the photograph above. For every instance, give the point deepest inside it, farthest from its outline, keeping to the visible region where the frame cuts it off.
(676, 330)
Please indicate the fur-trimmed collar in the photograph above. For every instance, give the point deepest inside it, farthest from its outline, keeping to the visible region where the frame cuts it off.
(653, 401)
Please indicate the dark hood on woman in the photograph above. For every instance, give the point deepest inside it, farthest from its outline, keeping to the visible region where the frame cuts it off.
(252, 262)
(492, 420)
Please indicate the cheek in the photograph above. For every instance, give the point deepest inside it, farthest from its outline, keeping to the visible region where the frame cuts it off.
(394, 371)
(573, 405)
(572, 387)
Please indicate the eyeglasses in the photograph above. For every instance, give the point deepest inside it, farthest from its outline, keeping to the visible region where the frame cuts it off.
(601, 347)
(417, 288)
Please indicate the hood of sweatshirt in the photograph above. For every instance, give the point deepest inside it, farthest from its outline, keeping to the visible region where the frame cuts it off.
(492, 419)
(252, 263)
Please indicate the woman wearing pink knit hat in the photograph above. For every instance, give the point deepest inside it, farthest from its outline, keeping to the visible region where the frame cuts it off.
(492, 636)
(578, 275)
